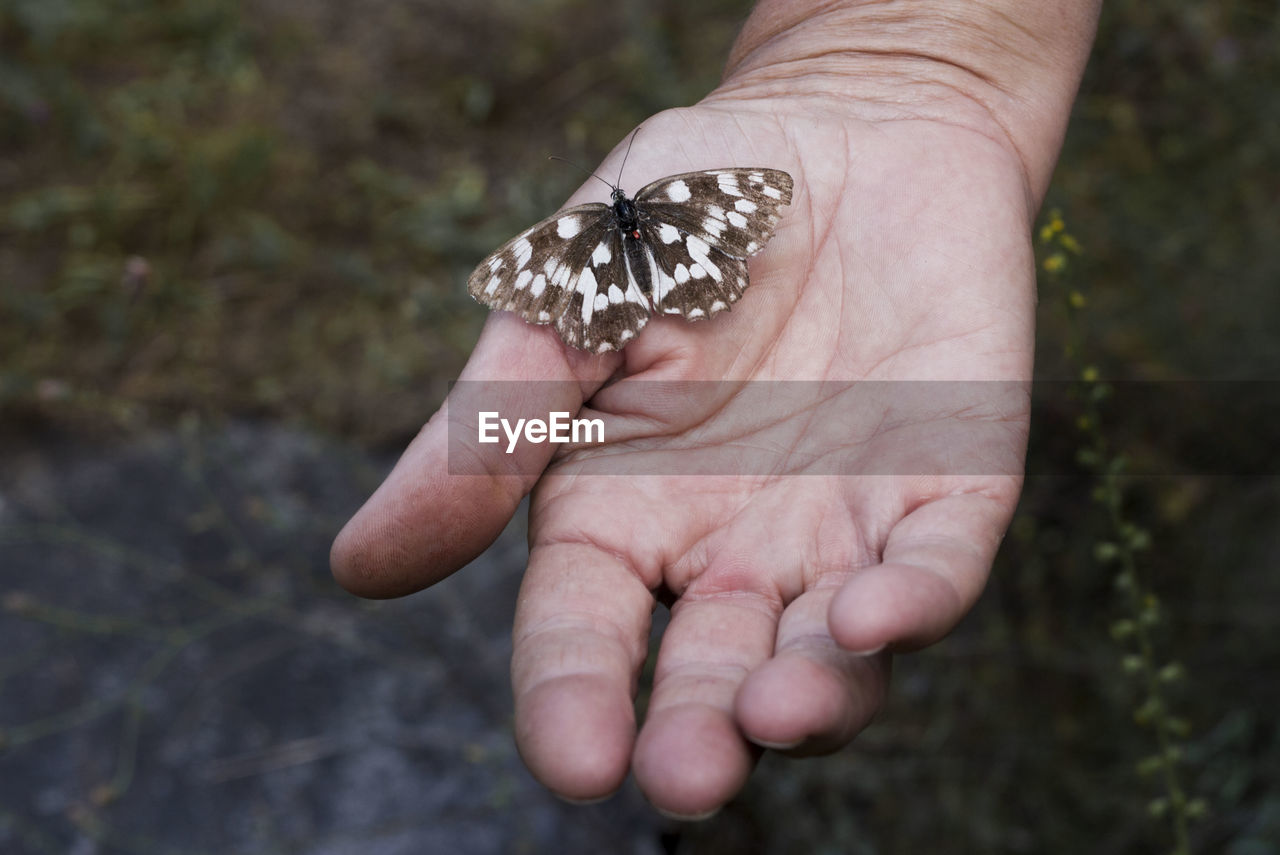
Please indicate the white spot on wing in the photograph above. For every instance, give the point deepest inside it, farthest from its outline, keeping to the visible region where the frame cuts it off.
(523, 251)
(615, 294)
(715, 227)
(492, 286)
(601, 254)
(746, 206)
(682, 274)
(567, 227)
(669, 233)
(664, 286)
(698, 250)
(522, 281)
(728, 184)
(737, 219)
(697, 272)
(771, 192)
(695, 313)
(718, 306)
(543, 317)
(634, 294)
(587, 287)
(678, 191)
(539, 285)
(495, 263)
(602, 300)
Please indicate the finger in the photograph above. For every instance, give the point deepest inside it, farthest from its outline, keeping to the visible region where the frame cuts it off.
(424, 522)
(690, 757)
(581, 635)
(812, 697)
(934, 566)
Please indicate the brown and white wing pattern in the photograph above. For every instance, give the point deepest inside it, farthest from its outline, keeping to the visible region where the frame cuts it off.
(606, 308)
(533, 274)
(701, 227)
(599, 271)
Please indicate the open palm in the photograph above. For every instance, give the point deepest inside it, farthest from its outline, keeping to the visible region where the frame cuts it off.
(799, 531)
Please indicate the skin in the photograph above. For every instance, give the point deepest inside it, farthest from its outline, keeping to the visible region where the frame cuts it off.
(919, 165)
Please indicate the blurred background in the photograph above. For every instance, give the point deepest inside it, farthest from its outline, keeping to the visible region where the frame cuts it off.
(233, 242)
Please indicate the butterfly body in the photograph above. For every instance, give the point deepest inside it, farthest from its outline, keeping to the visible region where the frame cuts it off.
(625, 211)
(600, 271)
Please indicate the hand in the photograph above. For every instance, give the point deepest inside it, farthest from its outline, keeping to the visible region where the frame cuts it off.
(905, 256)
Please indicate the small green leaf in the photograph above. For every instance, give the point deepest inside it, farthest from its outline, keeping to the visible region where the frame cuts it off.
(1150, 765)
(1123, 629)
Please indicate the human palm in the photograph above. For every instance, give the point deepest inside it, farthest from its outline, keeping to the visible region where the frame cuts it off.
(799, 531)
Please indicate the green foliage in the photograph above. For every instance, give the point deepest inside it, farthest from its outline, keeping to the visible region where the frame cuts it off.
(218, 206)
(1169, 172)
(1143, 618)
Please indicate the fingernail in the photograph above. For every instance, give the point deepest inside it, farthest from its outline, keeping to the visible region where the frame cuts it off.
(687, 817)
(776, 746)
(594, 800)
(869, 652)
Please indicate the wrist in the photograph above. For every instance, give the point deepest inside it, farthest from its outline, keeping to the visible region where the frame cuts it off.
(1006, 68)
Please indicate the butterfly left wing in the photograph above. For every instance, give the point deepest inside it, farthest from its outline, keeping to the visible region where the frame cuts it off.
(700, 227)
(567, 270)
(534, 273)
(607, 309)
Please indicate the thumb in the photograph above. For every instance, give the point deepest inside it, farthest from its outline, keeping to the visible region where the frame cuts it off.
(428, 519)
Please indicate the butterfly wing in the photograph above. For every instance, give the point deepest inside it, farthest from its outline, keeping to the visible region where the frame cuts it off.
(700, 228)
(534, 273)
(606, 309)
(690, 277)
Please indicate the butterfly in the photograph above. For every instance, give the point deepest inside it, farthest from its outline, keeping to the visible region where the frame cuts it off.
(600, 271)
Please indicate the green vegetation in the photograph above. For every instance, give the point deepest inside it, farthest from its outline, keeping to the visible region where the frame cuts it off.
(1142, 616)
(267, 209)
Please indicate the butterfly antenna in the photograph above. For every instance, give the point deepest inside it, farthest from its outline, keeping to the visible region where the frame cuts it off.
(583, 168)
(634, 134)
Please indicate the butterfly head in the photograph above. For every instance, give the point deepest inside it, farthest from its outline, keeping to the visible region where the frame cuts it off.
(625, 211)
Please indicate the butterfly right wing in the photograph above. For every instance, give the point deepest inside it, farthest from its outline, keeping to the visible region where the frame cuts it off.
(733, 211)
(700, 227)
